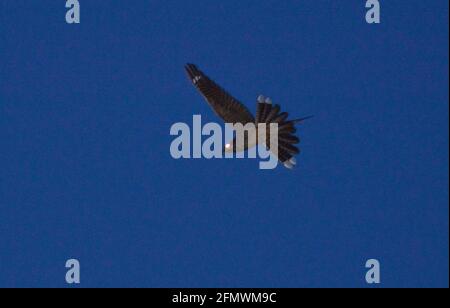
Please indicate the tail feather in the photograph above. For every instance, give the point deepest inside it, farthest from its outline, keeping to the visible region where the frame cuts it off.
(288, 129)
(261, 105)
(281, 117)
(283, 155)
(266, 112)
(289, 139)
(289, 148)
(272, 114)
(259, 112)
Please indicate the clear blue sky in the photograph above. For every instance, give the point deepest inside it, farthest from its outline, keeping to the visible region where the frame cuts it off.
(86, 173)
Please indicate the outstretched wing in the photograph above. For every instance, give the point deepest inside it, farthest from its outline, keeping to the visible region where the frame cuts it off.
(225, 106)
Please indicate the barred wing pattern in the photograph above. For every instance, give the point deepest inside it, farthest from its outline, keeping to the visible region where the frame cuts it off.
(224, 105)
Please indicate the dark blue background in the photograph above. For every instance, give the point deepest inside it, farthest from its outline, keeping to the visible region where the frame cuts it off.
(86, 173)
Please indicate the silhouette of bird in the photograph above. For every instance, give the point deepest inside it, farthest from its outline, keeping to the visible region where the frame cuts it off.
(232, 111)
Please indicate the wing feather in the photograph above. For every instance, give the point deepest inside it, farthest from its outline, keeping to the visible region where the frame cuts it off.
(224, 105)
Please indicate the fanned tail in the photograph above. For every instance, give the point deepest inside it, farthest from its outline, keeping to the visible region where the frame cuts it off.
(287, 141)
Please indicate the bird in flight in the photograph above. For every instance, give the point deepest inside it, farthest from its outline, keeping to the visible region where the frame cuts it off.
(233, 112)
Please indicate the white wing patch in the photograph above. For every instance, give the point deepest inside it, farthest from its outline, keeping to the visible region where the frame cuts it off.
(196, 79)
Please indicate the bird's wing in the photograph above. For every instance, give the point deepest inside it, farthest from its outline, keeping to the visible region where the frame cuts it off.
(225, 106)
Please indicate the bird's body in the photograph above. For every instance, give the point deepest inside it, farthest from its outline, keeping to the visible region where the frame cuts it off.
(250, 141)
(233, 112)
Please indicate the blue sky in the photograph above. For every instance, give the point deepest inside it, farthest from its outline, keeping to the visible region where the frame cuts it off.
(86, 173)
